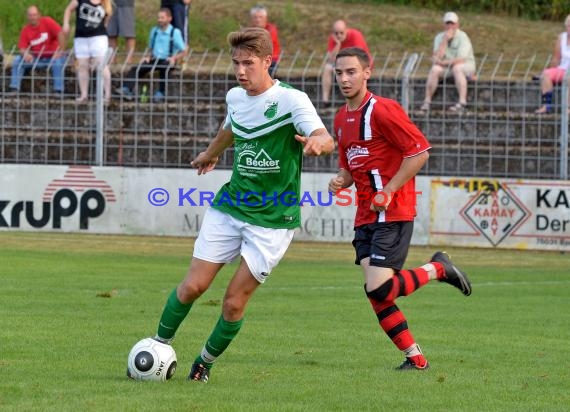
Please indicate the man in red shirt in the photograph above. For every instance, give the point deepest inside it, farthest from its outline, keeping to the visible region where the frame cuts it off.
(340, 38)
(258, 16)
(381, 151)
(41, 44)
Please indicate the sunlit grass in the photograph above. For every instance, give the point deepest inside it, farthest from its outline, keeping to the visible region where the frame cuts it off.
(72, 305)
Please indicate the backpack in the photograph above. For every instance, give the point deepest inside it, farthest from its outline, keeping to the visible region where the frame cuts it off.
(171, 46)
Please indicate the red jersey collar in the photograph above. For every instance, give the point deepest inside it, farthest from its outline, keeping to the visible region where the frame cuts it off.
(367, 97)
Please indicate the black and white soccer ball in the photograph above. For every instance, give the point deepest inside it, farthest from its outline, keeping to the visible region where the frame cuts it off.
(150, 360)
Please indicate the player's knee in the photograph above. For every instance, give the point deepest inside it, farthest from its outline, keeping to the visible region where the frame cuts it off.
(233, 307)
(436, 71)
(190, 291)
(382, 292)
(83, 65)
(459, 69)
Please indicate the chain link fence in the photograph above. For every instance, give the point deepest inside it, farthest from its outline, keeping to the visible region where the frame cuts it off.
(497, 136)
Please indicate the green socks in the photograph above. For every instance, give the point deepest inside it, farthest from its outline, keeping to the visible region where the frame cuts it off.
(172, 316)
(222, 335)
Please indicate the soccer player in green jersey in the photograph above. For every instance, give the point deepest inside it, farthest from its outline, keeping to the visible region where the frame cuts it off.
(271, 126)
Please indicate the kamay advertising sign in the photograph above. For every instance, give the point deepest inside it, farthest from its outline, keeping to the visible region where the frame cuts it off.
(500, 213)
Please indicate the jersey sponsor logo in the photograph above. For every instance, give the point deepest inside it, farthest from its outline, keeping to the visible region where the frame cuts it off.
(42, 39)
(270, 109)
(251, 161)
(355, 152)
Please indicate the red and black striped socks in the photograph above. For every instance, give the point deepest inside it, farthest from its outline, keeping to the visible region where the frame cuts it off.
(391, 319)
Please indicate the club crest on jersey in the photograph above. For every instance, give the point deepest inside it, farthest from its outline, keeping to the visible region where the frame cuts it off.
(356, 151)
(270, 109)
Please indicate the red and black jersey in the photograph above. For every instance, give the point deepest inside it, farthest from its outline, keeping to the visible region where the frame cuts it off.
(372, 143)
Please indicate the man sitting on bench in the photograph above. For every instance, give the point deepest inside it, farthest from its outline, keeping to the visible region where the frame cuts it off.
(41, 44)
(167, 46)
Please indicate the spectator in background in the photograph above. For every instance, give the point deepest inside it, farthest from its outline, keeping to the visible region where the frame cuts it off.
(91, 43)
(258, 16)
(340, 38)
(179, 10)
(555, 73)
(452, 55)
(41, 44)
(122, 23)
(167, 47)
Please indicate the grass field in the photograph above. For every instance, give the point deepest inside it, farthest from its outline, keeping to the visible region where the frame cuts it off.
(71, 306)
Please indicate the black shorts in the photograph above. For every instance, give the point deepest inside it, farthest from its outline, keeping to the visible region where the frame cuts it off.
(386, 243)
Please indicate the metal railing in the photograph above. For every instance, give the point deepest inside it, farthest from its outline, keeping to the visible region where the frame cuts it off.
(498, 136)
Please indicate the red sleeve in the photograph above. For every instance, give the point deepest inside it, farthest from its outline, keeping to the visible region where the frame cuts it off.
(359, 41)
(52, 26)
(23, 41)
(355, 38)
(331, 44)
(272, 29)
(399, 130)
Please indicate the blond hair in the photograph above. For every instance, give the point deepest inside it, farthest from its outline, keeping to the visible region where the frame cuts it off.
(256, 40)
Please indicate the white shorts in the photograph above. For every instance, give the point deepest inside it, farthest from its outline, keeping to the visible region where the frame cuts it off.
(85, 47)
(222, 238)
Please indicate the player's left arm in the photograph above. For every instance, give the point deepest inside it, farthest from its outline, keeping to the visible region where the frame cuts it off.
(320, 142)
(408, 169)
(396, 127)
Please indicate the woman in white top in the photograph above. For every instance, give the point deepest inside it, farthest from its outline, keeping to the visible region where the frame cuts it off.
(557, 70)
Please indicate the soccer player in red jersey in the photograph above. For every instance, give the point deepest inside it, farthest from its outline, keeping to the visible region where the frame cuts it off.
(381, 151)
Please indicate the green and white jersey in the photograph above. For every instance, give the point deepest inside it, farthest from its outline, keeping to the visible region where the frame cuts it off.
(264, 189)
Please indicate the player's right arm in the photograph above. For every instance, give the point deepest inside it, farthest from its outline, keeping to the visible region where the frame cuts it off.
(206, 160)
